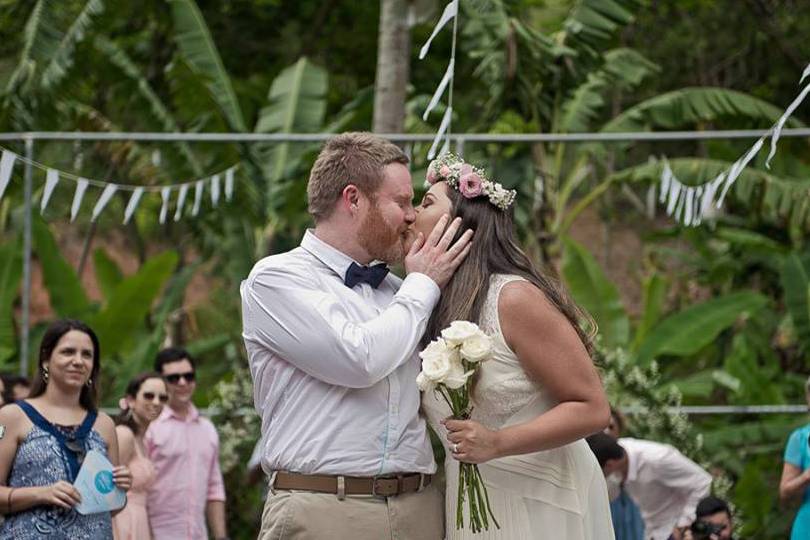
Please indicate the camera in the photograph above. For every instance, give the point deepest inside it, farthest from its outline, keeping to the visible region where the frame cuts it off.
(702, 530)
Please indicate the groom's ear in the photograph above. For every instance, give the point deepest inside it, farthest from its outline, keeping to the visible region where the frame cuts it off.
(350, 198)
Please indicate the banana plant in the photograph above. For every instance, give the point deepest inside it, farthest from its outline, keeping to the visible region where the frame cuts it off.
(10, 275)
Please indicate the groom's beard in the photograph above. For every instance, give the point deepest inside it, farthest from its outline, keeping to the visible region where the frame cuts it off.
(380, 240)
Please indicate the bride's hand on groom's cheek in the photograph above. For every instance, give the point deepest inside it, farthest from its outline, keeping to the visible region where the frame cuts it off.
(471, 442)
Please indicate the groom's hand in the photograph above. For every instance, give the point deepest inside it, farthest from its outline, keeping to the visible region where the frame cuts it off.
(434, 256)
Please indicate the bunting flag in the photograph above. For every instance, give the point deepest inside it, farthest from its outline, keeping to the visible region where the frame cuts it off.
(165, 193)
(181, 200)
(106, 195)
(132, 204)
(215, 189)
(51, 179)
(108, 189)
(6, 166)
(450, 12)
(690, 205)
(81, 187)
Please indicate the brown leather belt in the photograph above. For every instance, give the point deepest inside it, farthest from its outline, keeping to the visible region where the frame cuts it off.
(380, 486)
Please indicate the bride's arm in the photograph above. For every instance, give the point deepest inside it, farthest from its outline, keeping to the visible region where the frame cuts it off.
(550, 351)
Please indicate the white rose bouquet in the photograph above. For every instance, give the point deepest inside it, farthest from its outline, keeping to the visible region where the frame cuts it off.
(448, 364)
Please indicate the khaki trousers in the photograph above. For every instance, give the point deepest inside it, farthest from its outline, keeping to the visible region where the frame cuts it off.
(302, 515)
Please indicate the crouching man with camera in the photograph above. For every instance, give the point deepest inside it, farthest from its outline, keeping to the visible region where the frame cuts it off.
(713, 521)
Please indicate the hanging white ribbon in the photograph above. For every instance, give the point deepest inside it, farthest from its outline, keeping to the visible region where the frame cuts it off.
(164, 208)
(81, 187)
(6, 166)
(214, 190)
(229, 184)
(450, 11)
(437, 95)
(737, 168)
(105, 197)
(132, 204)
(198, 191)
(181, 200)
(777, 130)
(51, 179)
(442, 128)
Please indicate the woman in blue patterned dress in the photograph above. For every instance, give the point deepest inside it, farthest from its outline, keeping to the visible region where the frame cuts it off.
(44, 439)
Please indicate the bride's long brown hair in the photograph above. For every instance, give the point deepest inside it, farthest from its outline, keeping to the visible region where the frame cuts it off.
(494, 251)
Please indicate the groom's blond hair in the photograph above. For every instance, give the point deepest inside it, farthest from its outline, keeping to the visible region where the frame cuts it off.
(356, 158)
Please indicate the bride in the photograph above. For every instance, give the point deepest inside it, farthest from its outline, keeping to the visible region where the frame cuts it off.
(539, 395)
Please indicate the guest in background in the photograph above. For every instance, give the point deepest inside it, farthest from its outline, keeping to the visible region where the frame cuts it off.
(664, 483)
(146, 395)
(713, 521)
(796, 475)
(20, 387)
(184, 447)
(47, 436)
(627, 521)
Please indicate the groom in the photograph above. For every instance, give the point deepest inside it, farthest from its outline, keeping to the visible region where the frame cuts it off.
(332, 343)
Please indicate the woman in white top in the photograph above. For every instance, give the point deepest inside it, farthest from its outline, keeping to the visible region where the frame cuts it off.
(538, 397)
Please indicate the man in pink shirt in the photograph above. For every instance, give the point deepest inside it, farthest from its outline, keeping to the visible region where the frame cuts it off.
(184, 448)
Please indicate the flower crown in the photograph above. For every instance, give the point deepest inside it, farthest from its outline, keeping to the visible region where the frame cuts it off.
(470, 181)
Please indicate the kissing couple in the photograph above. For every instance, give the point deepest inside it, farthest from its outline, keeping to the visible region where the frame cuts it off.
(333, 339)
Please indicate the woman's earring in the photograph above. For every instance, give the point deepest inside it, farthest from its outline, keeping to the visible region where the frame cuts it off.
(45, 374)
(90, 382)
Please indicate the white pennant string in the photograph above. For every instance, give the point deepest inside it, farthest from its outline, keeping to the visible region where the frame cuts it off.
(181, 200)
(698, 215)
(450, 11)
(681, 203)
(437, 95)
(442, 128)
(214, 189)
(105, 197)
(674, 192)
(51, 179)
(777, 130)
(689, 201)
(666, 178)
(737, 168)
(164, 208)
(6, 166)
(198, 191)
(229, 184)
(81, 187)
(132, 204)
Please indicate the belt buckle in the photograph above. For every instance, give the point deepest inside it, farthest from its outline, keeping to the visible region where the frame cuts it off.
(386, 486)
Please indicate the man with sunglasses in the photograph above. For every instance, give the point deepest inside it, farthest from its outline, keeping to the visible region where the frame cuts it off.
(184, 447)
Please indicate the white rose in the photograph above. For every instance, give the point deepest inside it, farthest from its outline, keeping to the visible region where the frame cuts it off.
(424, 384)
(458, 331)
(477, 348)
(457, 377)
(437, 360)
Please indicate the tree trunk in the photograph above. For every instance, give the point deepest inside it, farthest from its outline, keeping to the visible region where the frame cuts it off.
(393, 63)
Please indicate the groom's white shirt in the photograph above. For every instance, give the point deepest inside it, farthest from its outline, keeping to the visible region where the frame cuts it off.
(334, 369)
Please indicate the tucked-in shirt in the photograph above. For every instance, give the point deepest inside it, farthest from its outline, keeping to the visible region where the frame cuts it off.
(665, 484)
(797, 453)
(185, 453)
(334, 368)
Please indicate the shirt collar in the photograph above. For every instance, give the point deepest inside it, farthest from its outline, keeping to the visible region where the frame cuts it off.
(168, 412)
(633, 464)
(336, 260)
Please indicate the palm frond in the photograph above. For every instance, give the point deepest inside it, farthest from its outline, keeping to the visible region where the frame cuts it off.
(195, 42)
(594, 23)
(689, 106)
(62, 59)
(41, 39)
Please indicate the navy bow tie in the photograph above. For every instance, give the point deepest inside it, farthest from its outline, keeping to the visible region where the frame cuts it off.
(373, 275)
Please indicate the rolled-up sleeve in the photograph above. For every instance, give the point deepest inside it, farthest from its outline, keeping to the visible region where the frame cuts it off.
(287, 312)
(216, 484)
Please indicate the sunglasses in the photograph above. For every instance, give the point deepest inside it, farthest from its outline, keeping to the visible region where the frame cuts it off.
(174, 378)
(77, 447)
(150, 396)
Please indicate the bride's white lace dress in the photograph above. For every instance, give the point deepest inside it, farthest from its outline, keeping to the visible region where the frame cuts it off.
(557, 494)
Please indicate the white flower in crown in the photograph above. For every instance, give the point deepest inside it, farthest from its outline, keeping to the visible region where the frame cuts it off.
(470, 181)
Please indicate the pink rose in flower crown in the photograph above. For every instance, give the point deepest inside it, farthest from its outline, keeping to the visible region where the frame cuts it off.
(432, 176)
(470, 185)
(444, 171)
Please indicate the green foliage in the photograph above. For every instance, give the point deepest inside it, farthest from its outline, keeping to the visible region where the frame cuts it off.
(10, 276)
(690, 330)
(592, 290)
(107, 272)
(797, 295)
